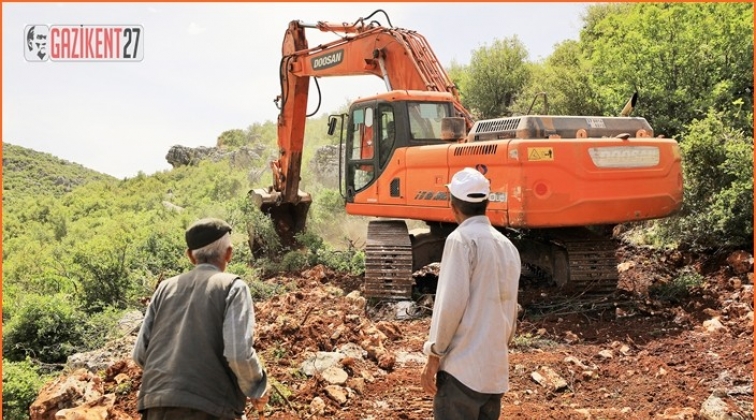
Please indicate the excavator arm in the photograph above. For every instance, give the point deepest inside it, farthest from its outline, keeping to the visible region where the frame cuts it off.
(402, 58)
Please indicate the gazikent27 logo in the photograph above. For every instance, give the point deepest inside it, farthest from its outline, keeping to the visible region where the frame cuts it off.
(84, 43)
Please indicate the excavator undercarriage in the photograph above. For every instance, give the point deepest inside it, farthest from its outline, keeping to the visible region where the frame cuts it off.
(388, 261)
(578, 259)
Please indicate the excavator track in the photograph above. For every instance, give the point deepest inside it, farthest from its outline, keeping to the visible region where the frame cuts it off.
(388, 261)
(582, 262)
(591, 260)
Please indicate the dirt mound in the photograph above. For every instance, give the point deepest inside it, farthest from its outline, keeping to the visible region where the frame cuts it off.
(628, 356)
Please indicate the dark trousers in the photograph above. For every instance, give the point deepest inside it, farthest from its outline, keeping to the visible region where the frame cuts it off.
(178, 413)
(455, 401)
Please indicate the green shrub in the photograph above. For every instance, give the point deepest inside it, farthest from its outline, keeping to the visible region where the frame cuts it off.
(45, 328)
(101, 327)
(242, 270)
(21, 384)
(677, 289)
(293, 261)
(104, 271)
(163, 251)
(718, 183)
(330, 202)
(350, 261)
(263, 237)
(313, 244)
(263, 291)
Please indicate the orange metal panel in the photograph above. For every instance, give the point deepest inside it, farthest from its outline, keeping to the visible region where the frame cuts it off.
(491, 159)
(380, 191)
(537, 183)
(601, 181)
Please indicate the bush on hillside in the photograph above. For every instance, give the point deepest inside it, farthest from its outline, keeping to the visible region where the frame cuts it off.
(21, 384)
(718, 183)
(45, 328)
(351, 260)
(104, 274)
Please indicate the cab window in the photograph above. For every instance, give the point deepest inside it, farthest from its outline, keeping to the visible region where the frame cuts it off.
(362, 134)
(425, 120)
(388, 133)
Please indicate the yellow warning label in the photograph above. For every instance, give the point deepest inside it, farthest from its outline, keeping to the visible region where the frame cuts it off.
(540, 153)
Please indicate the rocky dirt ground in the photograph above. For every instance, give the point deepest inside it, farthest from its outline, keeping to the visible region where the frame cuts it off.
(333, 355)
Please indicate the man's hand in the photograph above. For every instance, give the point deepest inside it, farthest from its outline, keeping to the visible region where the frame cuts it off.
(428, 378)
(259, 403)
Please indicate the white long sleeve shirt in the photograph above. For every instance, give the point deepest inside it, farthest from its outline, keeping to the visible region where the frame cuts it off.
(475, 312)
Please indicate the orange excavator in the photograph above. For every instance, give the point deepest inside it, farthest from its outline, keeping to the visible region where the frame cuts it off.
(556, 181)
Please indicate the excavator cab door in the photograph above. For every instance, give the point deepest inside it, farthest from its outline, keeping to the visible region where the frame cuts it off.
(387, 133)
(360, 149)
(370, 141)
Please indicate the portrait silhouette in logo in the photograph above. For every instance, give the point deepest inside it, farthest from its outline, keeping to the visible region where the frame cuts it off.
(36, 41)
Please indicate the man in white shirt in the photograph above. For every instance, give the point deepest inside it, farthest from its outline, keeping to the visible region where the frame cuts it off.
(475, 313)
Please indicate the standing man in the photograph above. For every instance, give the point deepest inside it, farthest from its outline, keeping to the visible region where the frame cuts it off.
(196, 343)
(475, 312)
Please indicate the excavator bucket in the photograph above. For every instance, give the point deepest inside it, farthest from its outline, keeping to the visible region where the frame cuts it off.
(289, 219)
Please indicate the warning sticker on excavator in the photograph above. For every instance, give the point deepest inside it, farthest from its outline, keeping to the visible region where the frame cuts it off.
(540, 153)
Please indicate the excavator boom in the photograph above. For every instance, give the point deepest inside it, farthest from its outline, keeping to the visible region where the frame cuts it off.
(402, 58)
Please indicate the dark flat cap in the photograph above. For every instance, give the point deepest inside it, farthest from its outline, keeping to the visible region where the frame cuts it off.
(205, 231)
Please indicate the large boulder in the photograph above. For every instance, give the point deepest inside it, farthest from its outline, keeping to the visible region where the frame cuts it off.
(85, 395)
(243, 157)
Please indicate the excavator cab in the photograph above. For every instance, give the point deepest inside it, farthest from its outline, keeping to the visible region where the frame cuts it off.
(379, 125)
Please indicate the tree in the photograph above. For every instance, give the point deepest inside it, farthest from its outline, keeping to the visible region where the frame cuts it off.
(595, 14)
(718, 170)
(496, 76)
(104, 272)
(565, 80)
(233, 139)
(683, 58)
(692, 64)
(459, 75)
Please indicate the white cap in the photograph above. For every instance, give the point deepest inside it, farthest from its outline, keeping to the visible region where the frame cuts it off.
(469, 185)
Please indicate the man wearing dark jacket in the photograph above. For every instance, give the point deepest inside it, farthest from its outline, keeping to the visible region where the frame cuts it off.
(196, 343)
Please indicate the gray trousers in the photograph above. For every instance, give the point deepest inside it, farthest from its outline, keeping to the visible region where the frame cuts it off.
(455, 401)
(177, 413)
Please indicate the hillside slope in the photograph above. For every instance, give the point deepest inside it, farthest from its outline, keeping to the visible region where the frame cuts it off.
(29, 172)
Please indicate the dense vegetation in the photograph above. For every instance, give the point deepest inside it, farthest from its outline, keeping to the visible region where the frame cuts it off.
(30, 173)
(79, 247)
